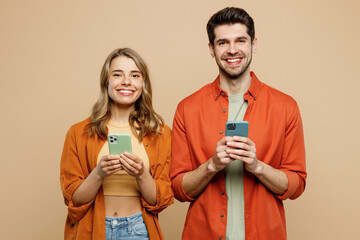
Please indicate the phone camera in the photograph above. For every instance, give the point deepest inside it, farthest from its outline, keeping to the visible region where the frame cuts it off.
(113, 139)
(231, 126)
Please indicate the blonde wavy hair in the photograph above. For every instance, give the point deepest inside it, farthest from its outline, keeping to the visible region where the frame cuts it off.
(143, 120)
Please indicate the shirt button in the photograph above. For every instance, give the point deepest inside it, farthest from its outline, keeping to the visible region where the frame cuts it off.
(224, 110)
(153, 166)
(146, 144)
(223, 94)
(61, 179)
(221, 132)
(222, 215)
(217, 95)
(222, 193)
(220, 238)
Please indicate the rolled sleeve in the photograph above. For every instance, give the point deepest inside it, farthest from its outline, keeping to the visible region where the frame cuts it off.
(293, 159)
(181, 159)
(178, 188)
(295, 186)
(71, 177)
(160, 174)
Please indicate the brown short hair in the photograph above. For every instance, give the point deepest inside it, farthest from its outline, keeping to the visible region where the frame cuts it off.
(230, 15)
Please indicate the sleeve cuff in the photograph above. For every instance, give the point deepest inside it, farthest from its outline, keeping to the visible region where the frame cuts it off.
(293, 184)
(179, 191)
(163, 200)
(77, 213)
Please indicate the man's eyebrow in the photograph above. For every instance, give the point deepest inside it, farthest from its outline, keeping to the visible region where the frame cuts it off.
(222, 40)
(242, 37)
(226, 40)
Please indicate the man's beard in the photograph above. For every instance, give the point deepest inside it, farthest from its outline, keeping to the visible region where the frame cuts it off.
(235, 75)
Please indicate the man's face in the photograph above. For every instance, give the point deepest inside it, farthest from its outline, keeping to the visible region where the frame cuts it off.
(232, 49)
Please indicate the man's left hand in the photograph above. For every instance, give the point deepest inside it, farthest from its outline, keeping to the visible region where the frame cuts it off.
(243, 149)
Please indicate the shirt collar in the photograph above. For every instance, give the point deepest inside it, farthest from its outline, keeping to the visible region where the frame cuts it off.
(252, 92)
(216, 90)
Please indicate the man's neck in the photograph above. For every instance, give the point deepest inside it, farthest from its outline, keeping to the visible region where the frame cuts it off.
(235, 85)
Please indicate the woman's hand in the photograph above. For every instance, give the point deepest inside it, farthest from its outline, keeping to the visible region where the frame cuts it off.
(87, 191)
(132, 164)
(108, 165)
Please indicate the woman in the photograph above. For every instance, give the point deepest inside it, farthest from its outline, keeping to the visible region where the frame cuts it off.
(118, 196)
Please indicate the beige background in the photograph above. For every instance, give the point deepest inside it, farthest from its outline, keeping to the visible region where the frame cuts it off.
(51, 53)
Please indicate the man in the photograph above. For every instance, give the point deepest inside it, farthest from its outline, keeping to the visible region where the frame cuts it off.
(236, 184)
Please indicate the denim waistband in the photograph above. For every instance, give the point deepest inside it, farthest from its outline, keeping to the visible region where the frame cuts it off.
(122, 219)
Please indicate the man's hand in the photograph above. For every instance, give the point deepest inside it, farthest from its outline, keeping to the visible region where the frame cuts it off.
(243, 149)
(221, 157)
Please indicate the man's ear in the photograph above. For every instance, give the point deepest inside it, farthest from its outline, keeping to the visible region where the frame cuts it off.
(254, 45)
(211, 50)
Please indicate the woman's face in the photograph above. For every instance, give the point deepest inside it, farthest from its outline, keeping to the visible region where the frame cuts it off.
(125, 82)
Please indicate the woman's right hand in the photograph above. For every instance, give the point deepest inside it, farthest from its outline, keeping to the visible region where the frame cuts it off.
(87, 191)
(108, 165)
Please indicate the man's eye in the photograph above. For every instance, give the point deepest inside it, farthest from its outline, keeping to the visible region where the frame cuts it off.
(222, 43)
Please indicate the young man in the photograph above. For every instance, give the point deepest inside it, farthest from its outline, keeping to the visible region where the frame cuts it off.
(236, 185)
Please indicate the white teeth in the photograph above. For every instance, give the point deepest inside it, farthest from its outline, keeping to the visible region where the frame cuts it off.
(125, 91)
(233, 60)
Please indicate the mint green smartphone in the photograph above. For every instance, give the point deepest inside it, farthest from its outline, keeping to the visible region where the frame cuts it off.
(119, 143)
(237, 128)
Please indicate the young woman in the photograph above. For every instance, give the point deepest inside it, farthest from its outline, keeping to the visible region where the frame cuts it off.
(118, 196)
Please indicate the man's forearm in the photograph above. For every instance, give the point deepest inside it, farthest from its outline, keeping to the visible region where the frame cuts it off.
(194, 182)
(274, 179)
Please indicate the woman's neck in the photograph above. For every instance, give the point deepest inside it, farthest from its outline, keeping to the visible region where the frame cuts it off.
(121, 114)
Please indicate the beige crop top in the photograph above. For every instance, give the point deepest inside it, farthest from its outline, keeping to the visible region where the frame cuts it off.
(121, 183)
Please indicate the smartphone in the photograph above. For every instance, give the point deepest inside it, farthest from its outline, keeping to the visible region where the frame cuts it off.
(237, 128)
(119, 143)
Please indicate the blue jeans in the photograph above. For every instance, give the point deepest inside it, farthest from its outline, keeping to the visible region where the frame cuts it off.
(126, 228)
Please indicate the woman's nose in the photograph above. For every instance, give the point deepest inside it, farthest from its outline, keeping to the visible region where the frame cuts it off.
(125, 80)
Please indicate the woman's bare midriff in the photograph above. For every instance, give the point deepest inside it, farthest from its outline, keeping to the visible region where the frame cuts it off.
(116, 206)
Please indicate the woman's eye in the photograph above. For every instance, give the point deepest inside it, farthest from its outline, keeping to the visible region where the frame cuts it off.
(136, 76)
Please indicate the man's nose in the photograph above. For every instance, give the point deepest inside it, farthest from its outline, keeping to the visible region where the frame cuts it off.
(232, 48)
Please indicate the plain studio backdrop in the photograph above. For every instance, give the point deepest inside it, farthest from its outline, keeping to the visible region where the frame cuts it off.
(51, 54)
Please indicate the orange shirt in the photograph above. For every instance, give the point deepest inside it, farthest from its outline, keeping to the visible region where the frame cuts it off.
(276, 129)
(79, 158)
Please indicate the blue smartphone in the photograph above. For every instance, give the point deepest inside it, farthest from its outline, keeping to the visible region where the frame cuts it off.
(119, 143)
(237, 128)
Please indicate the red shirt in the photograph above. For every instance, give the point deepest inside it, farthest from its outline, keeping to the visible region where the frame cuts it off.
(276, 129)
